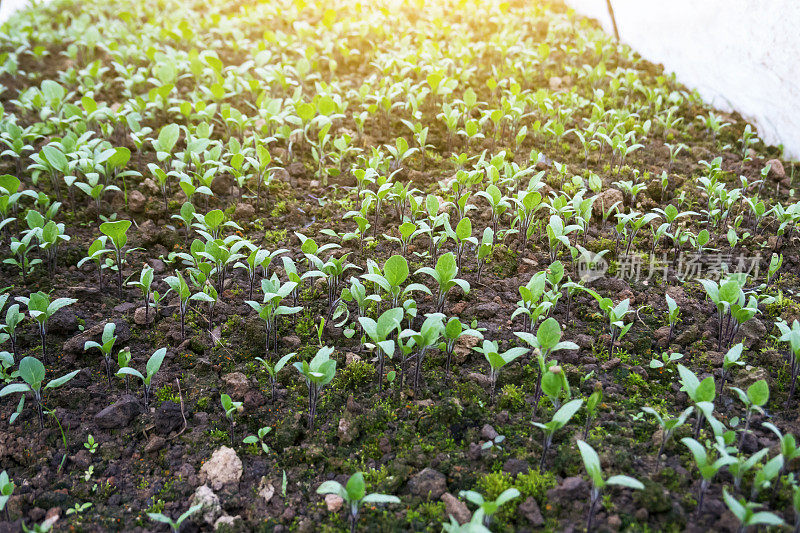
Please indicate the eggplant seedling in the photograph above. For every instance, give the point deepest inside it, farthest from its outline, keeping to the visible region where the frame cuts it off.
(453, 331)
(427, 337)
(488, 508)
(273, 370)
(32, 372)
(546, 341)
(177, 284)
(6, 490)
(151, 368)
(560, 419)
(672, 316)
(354, 493)
(145, 284)
(701, 393)
(259, 439)
(445, 276)
(747, 515)
(13, 318)
(706, 465)
(379, 332)
(498, 360)
(175, 525)
(789, 449)
(668, 426)
(107, 345)
(317, 373)
(754, 400)
(591, 463)
(230, 408)
(40, 308)
(117, 232)
(269, 311)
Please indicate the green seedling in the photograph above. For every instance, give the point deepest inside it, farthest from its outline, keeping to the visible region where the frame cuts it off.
(151, 368)
(253, 439)
(32, 373)
(117, 232)
(41, 309)
(560, 419)
(175, 525)
(497, 360)
(317, 373)
(591, 463)
(106, 346)
(354, 494)
(230, 408)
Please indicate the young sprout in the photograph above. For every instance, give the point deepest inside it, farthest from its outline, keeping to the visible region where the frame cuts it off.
(379, 332)
(40, 308)
(498, 360)
(591, 463)
(707, 467)
(560, 419)
(788, 445)
(754, 400)
(253, 439)
(702, 393)
(273, 370)
(546, 341)
(445, 276)
(6, 490)
(354, 493)
(668, 426)
(745, 512)
(592, 405)
(317, 373)
(108, 340)
(124, 361)
(32, 371)
(117, 232)
(178, 285)
(792, 336)
(766, 475)
(175, 525)
(152, 367)
(731, 359)
(271, 308)
(145, 284)
(230, 407)
(488, 508)
(13, 318)
(484, 250)
(453, 331)
(672, 316)
(427, 337)
(395, 273)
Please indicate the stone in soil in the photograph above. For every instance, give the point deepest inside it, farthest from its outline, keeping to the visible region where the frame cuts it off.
(119, 414)
(223, 468)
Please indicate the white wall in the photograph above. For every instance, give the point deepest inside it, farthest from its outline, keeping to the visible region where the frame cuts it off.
(741, 55)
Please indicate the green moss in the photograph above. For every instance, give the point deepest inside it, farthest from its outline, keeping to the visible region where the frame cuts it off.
(354, 376)
(512, 398)
(535, 484)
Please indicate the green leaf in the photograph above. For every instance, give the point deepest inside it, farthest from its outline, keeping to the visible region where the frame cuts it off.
(55, 383)
(32, 371)
(168, 137)
(758, 393)
(396, 270)
(548, 334)
(355, 488)
(625, 481)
